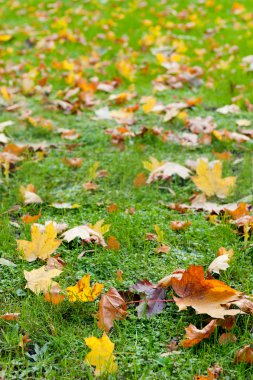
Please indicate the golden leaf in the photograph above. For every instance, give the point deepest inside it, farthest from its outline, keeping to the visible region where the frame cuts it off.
(43, 244)
(209, 180)
(83, 292)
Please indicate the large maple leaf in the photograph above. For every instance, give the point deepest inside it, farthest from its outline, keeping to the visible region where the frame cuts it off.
(40, 280)
(210, 181)
(43, 244)
(205, 296)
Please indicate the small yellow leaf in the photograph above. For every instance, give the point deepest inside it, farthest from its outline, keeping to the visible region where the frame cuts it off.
(210, 180)
(153, 164)
(101, 355)
(83, 292)
(5, 37)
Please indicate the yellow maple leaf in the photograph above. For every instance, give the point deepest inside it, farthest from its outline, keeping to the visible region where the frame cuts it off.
(210, 180)
(40, 280)
(126, 69)
(100, 227)
(5, 37)
(83, 292)
(43, 244)
(101, 355)
(153, 164)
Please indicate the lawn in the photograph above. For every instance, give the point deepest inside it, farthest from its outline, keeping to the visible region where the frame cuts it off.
(61, 62)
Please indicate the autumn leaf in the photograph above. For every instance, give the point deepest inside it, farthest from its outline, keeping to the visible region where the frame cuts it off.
(221, 262)
(40, 280)
(195, 336)
(113, 243)
(10, 316)
(111, 307)
(54, 295)
(86, 233)
(167, 170)
(83, 292)
(27, 219)
(29, 195)
(205, 296)
(245, 355)
(140, 180)
(177, 225)
(42, 244)
(100, 227)
(210, 181)
(101, 355)
(153, 298)
(226, 338)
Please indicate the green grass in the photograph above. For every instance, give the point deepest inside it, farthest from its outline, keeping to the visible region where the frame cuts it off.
(57, 333)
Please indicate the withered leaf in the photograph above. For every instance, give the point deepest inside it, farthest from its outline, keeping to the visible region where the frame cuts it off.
(205, 296)
(111, 307)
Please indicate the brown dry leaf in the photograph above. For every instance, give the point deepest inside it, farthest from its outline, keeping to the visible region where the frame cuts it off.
(201, 124)
(73, 162)
(113, 243)
(112, 208)
(111, 307)
(226, 338)
(42, 244)
(140, 180)
(10, 316)
(209, 180)
(245, 355)
(40, 280)
(195, 336)
(163, 249)
(177, 225)
(90, 186)
(205, 296)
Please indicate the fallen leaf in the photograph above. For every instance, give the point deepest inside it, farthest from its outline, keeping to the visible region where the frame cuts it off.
(226, 338)
(83, 292)
(163, 248)
(85, 233)
(10, 316)
(140, 180)
(6, 262)
(113, 244)
(27, 219)
(209, 180)
(245, 355)
(40, 280)
(153, 300)
(176, 225)
(167, 170)
(205, 296)
(42, 244)
(54, 295)
(29, 195)
(195, 336)
(101, 355)
(111, 307)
